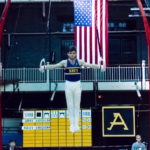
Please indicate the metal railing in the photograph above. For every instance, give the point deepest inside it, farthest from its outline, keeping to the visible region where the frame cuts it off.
(112, 74)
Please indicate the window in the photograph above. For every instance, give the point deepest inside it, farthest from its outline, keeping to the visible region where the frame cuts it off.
(122, 50)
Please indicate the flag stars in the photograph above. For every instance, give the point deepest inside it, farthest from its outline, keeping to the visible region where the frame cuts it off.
(83, 12)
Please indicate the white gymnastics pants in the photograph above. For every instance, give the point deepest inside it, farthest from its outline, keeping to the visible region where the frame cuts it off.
(73, 98)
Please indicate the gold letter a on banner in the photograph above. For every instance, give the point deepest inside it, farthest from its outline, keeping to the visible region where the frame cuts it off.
(116, 123)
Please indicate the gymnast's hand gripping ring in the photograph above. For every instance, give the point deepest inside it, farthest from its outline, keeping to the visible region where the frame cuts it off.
(42, 65)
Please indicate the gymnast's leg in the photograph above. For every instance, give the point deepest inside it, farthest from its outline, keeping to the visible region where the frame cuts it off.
(69, 100)
(77, 101)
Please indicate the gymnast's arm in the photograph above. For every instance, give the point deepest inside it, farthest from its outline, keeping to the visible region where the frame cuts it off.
(85, 64)
(58, 65)
(50, 67)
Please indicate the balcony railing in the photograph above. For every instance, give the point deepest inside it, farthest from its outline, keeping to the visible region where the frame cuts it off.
(112, 74)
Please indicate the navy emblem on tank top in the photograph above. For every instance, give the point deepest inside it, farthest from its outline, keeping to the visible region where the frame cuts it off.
(72, 71)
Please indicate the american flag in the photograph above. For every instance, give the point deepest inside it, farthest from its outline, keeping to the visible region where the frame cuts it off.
(91, 30)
